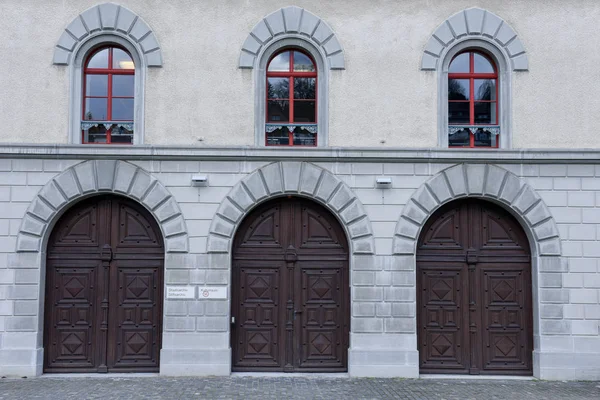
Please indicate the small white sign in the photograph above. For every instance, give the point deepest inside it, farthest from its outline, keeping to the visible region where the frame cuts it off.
(181, 292)
(212, 292)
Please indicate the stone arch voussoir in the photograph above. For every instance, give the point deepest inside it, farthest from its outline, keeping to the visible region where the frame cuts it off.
(474, 23)
(481, 181)
(113, 19)
(292, 178)
(100, 177)
(292, 21)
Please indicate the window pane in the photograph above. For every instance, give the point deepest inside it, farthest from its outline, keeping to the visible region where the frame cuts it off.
(122, 85)
(122, 109)
(96, 134)
(278, 137)
(482, 64)
(302, 137)
(304, 88)
(458, 113)
(303, 63)
(281, 62)
(485, 89)
(484, 138)
(460, 63)
(96, 109)
(460, 138)
(458, 89)
(96, 85)
(278, 111)
(304, 111)
(278, 88)
(483, 113)
(121, 135)
(122, 60)
(99, 60)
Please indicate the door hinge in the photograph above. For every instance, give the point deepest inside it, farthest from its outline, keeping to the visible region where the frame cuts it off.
(233, 320)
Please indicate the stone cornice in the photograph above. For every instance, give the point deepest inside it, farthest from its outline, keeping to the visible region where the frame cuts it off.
(329, 154)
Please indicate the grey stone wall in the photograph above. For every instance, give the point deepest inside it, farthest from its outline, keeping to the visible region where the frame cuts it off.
(564, 237)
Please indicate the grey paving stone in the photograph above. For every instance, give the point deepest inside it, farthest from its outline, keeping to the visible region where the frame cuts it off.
(264, 388)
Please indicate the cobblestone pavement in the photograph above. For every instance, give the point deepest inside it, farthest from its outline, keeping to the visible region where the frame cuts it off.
(290, 388)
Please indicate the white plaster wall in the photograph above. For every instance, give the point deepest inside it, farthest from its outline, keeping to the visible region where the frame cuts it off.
(381, 96)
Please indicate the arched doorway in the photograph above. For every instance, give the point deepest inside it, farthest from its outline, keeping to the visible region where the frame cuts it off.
(104, 289)
(290, 290)
(474, 292)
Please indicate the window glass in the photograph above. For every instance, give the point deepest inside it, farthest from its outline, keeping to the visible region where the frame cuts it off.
(482, 64)
(278, 111)
(122, 109)
(96, 109)
(484, 89)
(278, 88)
(281, 62)
(99, 60)
(96, 85)
(460, 64)
(458, 89)
(303, 63)
(122, 60)
(304, 88)
(122, 85)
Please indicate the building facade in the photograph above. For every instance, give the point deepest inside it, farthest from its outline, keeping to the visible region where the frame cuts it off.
(394, 189)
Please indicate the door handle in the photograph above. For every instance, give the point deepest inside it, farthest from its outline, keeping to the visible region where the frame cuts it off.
(297, 312)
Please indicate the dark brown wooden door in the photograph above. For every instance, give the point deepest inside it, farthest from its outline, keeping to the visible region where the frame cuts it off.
(290, 296)
(104, 289)
(474, 292)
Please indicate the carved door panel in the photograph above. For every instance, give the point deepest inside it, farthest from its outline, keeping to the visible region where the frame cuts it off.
(474, 285)
(290, 290)
(104, 289)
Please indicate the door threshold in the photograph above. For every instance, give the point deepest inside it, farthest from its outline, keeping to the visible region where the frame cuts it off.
(479, 377)
(315, 375)
(109, 375)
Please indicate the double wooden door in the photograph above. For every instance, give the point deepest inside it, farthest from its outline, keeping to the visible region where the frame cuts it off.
(474, 292)
(104, 286)
(290, 296)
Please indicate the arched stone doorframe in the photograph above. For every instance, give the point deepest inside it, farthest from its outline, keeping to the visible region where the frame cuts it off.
(301, 179)
(79, 182)
(497, 185)
(279, 179)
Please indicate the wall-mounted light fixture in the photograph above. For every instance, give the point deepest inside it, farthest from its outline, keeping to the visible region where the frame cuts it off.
(200, 180)
(384, 182)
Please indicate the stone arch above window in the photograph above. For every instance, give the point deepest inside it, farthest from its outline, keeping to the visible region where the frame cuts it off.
(90, 178)
(292, 22)
(108, 18)
(474, 23)
(292, 178)
(479, 181)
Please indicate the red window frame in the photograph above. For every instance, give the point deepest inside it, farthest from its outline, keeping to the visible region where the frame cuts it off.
(110, 71)
(471, 76)
(291, 74)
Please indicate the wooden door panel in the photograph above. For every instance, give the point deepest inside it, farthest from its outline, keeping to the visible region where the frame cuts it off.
(322, 342)
(489, 252)
(258, 319)
(505, 322)
(104, 289)
(290, 290)
(442, 321)
(71, 316)
(133, 341)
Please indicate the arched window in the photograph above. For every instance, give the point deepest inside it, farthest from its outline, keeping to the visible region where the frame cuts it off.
(473, 119)
(108, 97)
(291, 99)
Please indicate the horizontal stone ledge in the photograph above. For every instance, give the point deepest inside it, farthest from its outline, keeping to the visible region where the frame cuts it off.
(348, 154)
